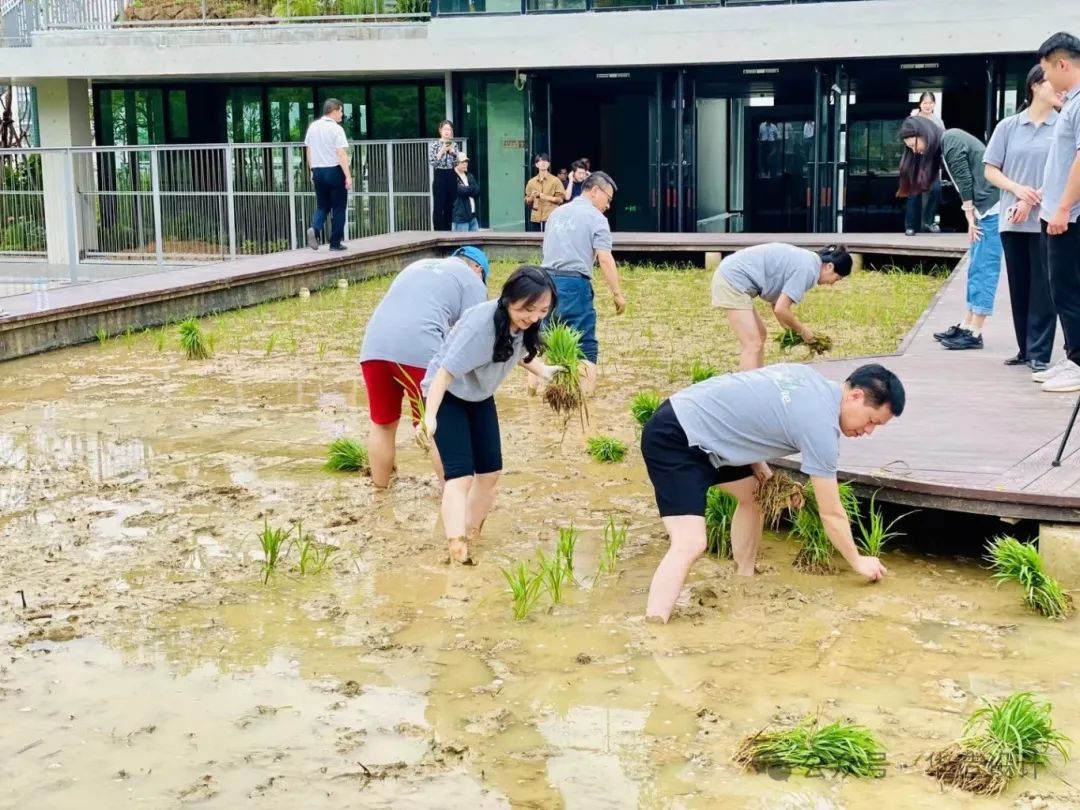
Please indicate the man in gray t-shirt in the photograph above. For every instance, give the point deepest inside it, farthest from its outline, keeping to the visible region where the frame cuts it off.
(776, 272)
(578, 234)
(722, 431)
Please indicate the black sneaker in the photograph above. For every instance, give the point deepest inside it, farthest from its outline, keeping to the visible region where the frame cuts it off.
(1017, 360)
(965, 340)
(338, 247)
(948, 334)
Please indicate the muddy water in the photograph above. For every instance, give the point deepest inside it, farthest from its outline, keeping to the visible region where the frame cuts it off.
(152, 668)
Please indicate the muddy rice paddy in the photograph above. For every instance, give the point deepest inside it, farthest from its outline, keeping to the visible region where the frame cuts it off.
(152, 668)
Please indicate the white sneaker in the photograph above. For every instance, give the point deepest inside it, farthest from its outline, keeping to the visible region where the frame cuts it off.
(1053, 371)
(1064, 381)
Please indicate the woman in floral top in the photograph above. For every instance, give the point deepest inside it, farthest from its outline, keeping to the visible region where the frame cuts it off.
(442, 155)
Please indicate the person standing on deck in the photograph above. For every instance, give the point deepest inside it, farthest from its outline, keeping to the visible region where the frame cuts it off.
(543, 194)
(780, 274)
(578, 235)
(328, 159)
(720, 433)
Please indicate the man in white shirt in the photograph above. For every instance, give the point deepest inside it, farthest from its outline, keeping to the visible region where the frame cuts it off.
(328, 157)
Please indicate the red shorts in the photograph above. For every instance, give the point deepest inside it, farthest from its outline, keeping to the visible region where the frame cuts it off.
(387, 383)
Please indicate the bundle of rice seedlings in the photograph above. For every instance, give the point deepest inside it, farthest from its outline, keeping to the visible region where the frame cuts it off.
(195, 343)
(815, 549)
(719, 511)
(345, 455)
(780, 494)
(562, 347)
(699, 372)
(1001, 741)
(789, 338)
(643, 406)
(819, 343)
(1020, 562)
(606, 449)
(811, 749)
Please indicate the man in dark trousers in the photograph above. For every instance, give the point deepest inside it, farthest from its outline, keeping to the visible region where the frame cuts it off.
(328, 158)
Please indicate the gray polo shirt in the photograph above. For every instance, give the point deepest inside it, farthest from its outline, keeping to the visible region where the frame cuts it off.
(767, 413)
(466, 354)
(573, 234)
(1064, 145)
(1019, 147)
(414, 317)
(771, 269)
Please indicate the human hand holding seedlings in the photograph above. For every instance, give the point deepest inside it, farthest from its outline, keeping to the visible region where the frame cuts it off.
(436, 391)
(838, 528)
(541, 369)
(762, 471)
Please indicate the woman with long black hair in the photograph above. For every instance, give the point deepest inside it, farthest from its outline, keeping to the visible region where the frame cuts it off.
(460, 384)
(442, 155)
(927, 151)
(1015, 159)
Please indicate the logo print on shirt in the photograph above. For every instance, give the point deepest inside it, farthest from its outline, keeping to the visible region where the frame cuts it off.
(785, 382)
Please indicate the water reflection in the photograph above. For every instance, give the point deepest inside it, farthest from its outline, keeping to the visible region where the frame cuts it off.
(102, 456)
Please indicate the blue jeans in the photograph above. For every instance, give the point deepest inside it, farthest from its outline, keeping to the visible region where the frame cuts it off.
(984, 269)
(330, 199)
(471, 225)
(576, 309)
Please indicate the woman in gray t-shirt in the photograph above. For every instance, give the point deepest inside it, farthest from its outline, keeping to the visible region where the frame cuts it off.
(1014, 161)
(460, 384)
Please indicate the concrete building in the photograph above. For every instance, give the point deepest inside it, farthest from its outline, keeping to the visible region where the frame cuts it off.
(730, 116)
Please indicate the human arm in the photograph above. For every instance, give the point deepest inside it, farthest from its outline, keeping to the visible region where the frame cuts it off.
(838, 528)
(311, 171)
(343, 162)
(785, 315)
(541, 369)
(996, 177)
(468, 187)
(1059, 220)
(994, 161)
(611, 276)
(955, 156)
(436, 392)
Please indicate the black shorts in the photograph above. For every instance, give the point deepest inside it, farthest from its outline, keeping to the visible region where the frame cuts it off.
(681, 475)
(467, 436)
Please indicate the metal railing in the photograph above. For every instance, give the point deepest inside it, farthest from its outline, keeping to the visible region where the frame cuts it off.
(180, 204)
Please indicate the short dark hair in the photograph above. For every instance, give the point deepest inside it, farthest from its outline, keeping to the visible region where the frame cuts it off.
(838, 257)
(1061, 41)
(599, 180)
(332, 104)
(880, 386)
(541, 156)
(579, 164)
(446, 122)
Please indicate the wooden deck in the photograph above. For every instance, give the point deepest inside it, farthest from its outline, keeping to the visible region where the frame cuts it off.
(976, 436)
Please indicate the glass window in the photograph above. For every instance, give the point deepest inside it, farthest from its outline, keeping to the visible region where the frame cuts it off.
(243, 115)
(178, 116)
(150, 116)
(434, 108)
(291, 110)
(395, 111)
(354, 109)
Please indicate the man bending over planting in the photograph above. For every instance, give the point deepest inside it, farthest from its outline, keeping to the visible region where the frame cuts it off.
(720, 433)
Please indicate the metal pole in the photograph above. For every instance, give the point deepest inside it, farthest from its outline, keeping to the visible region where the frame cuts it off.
(204, 9)
(230, 200)
(155, 192)
(73, 213)
(292, 195)
(391, 219)
(1068, 432)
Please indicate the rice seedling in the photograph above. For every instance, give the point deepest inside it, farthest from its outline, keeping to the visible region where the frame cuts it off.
(700, 371)
(562, 347)
(614, 538)
(819, 343)
(788, 338)
(102, 336)
(416, 406)
(292, 344)
(811, 749)
(606, 449)
(815, 549)
(875, 532)
(643, 406)
(554, 574)
(568, 537)
(525, 588)
(193, 341)
(314, 557)
(129, 338)
(160, 336)
(346, 455)
(274, 544)
(1014, 561)
(1000, 742)
(778, 495)
(719, 511)
(322, 350)
(270, 343)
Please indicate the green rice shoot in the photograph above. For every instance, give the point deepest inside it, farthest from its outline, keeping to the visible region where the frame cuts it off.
(614, 539)
(563, 393)
(643, 406)
(810, 749)
(719, 512)
(815, 553)
(606, 449)
(554, 574)
(102, 336)
(568, 537)
(874, 533)
(525, 586)
(195, 343)
(160, 337)
(313, 556)
(1014, 561)
(274, 543)
(1001, 741)
(701, 371)
(346, 455)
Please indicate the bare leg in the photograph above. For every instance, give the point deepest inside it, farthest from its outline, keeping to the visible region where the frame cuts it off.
(751, 333)
(975, 321)
(481, 497)
(687, 535)
(588, 377)
(454, 510)
(381, 439)
(746, 525)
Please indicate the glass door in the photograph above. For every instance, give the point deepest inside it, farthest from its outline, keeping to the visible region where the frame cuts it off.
(677, 149)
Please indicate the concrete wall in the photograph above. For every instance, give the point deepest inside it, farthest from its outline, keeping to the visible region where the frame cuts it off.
(64, 120)
(600, 39)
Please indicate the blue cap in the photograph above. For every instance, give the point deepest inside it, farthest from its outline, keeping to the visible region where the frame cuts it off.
(475, 254)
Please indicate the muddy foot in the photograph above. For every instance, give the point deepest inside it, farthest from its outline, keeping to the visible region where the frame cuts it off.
(459, 550)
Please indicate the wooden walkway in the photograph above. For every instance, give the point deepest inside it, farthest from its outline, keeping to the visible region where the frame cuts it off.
(976, 436)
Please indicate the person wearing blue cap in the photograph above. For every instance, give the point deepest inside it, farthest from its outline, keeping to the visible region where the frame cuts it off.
(405, 331)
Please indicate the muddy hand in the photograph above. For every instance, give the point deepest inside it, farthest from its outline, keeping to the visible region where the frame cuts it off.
(420, 435)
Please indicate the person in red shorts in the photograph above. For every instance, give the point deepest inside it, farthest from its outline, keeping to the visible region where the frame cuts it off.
(406, 330)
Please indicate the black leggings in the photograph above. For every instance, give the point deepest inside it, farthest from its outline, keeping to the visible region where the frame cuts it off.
(467, 436)
(443, 193)
(1034, 318)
